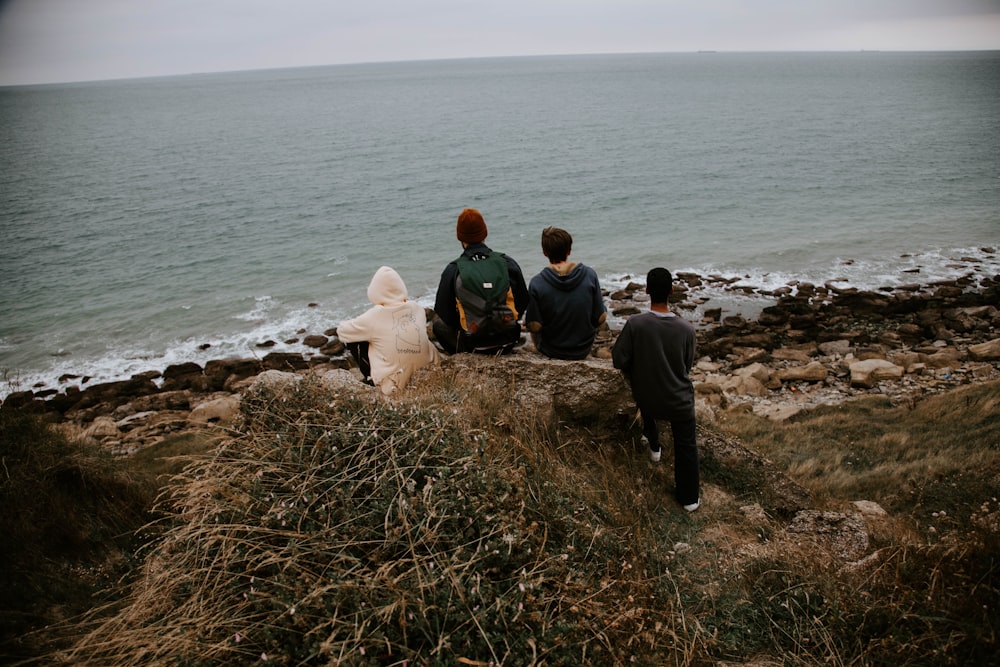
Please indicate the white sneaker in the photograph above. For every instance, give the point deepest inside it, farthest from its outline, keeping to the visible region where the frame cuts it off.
(692, 507)
(653, 456)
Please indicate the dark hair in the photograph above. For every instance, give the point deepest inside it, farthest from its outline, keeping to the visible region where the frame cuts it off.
(659, 284)
(556, 244)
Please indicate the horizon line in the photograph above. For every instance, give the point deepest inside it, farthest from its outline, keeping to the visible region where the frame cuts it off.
(141, 77)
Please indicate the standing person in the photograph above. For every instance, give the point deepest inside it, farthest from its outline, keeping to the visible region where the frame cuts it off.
(480, 296)
(566, 304)
(389, 341)
(655, 351)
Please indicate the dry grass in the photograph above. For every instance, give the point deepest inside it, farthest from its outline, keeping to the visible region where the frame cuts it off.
(929, 591)
(941, 454)
(452, 527)
(345, 530)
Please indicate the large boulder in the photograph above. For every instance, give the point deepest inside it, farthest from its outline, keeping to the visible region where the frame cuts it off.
(590, 390)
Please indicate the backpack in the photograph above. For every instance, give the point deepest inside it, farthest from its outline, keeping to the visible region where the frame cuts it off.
(485, 300)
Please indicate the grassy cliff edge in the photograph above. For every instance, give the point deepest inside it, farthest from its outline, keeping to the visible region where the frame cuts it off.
(331, 528)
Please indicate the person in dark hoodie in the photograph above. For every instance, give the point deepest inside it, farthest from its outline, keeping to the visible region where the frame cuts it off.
(565, 304)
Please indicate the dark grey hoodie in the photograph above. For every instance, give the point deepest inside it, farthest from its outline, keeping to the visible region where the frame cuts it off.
(568, 306)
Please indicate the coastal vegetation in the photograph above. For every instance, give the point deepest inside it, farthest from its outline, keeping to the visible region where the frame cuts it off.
(452, 526)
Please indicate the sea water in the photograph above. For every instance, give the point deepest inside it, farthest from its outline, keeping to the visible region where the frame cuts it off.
(147, 222)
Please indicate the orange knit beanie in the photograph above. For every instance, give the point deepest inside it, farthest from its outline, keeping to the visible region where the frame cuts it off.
(471, 227)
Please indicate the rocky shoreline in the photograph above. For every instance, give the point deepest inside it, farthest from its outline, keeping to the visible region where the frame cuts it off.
(826, 344)
(815, 345)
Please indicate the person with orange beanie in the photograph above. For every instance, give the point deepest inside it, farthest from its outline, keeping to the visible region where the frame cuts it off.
(453, 327)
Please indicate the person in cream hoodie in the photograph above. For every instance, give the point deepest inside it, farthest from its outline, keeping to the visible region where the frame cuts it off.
(389, 340)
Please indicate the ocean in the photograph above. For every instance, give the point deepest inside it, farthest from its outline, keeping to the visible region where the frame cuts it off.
(148, 222)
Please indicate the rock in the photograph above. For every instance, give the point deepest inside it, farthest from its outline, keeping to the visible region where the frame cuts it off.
(988, 351)
(341, 377)
(756, 370)
(843, 535)
(772, 316)
(106, 396)
(811, 372)
(165, 400)
(706, 365)
(221, 410)
(867, 373)
(223, 372)
(274, 379)
(946, 358)
(777, 412)
(835, 348)
(712, 314)
(102, 428)
(869, 508)
(749, 355)
(872, 352)
(590, 390)
(315, 341)
(19, 400)
(334, 347)
(625, 311)
(790, 354)
(285, 361)
(135, 420)
(744, 385)
(184, 376)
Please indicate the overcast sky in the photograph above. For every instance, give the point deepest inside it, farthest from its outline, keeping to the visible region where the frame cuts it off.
(43, 41)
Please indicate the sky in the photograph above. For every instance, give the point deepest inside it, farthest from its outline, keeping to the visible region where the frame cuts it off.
(51, 41)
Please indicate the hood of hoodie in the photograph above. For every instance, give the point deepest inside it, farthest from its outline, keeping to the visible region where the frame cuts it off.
(567, 279)
(386, 288)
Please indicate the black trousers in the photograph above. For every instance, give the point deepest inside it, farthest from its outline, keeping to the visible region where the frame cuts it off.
(458, 341)
(359, 351)
(686, 472)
